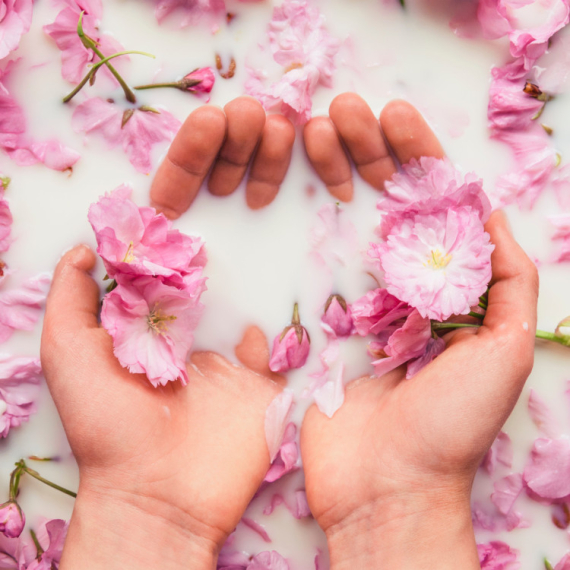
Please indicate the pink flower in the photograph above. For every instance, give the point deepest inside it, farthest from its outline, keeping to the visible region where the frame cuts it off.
(291, 347)
(429, 185)
(199, 81)
(136, 130)
(74, 55)
(510, 108)
(5, 223)
(497, 555)
(405, 344)
(19, 147)
(337, 318)
(51, 537)
(21, 308)
(286, 459)
(138, 241)
(300, 44)
(191, 11)
(547, 474)
(500, 452)
(12, 519)
(18, 379)
(152, 325)
(15, 21)
(439, 263)
(268, 561)
(376, 310)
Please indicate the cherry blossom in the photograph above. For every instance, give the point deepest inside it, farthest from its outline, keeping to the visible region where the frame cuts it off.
(136, 130)
(337, 317)
(12, 519)
(290, 347)
(15, 21)
(301, 45)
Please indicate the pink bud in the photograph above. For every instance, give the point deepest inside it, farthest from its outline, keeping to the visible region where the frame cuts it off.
(338, 316)
(199, 81)
(291, 347)
(12, 519)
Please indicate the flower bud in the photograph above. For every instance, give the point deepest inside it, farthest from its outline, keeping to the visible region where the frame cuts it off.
(198, 81)
(12, 519)
(563, 330)
(291, 347)
(338, 317)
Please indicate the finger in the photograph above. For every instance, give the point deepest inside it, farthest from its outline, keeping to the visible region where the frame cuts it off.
(253, 353)
(188, 161)
(271, 162)
(73, 301)
(328, 158)
(360, 131)
(245, 119)
(407, 132)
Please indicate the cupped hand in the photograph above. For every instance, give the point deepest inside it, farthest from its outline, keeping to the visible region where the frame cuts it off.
(165, 473)
(389, 476)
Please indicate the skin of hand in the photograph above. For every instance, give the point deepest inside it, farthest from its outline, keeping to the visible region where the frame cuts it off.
(165, 473)
(389, 477)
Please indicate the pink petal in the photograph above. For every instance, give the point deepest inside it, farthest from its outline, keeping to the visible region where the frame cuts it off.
(542, 416)
(276, 419)
(547, 474)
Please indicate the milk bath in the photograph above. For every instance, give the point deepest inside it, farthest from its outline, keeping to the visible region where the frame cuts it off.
(259, 262)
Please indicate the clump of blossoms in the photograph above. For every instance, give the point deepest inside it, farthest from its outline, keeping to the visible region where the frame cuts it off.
(154, 304)
(301, 44)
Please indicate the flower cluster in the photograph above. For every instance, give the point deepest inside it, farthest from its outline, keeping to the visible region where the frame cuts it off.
(155, 307)
(301, 45)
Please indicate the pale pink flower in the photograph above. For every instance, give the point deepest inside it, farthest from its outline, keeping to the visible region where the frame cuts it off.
(507, 491)
(337, 318)
(136, 130)
(15, 21)
(190, 11)
(438, 263)
(547, 474)
(75, 57)
(200, 80)
(51, 537)
(542, 416)
(12, 519)
(290, 347)
(497, 555)
(286, 459)
(405, 344)
(15, 142)
(5, 223)
(373, 312)
(500, 452)
(276, 421)
(138, 241)
(299, 43)
(429, 185)
(152, 325)
(21, 308)
(19, 377)
(268, 561)
(510, 108)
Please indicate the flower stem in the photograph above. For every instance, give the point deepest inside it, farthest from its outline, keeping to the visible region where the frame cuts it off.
(476, 315)
(94, 69)
(451, 326)
(22, 467)
(158, 86)
(92, 45)
(553, 337)
(37, 544)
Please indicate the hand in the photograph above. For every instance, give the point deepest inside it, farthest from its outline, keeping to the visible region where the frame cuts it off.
(389, 476)
(165, 474)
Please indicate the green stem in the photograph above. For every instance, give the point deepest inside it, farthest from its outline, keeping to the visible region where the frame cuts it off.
(39, 548)
(96, 66)
(91, 44)
(563, 340)
(451, 326)
(476, 315)
(158, 86)
(23, 467)
(15, 483)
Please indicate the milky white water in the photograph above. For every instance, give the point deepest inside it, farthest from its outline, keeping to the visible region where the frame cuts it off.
(258, 261)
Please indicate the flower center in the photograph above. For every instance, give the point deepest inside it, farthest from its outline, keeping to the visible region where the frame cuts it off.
(130, 255)
(158, 321)
(293, 66)
(438, 260)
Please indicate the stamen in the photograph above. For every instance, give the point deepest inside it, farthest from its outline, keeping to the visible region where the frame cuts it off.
(158, 321)
(438, 260)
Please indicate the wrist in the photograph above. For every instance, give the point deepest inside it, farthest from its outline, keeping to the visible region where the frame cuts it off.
(408, 533)
(111, 530)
